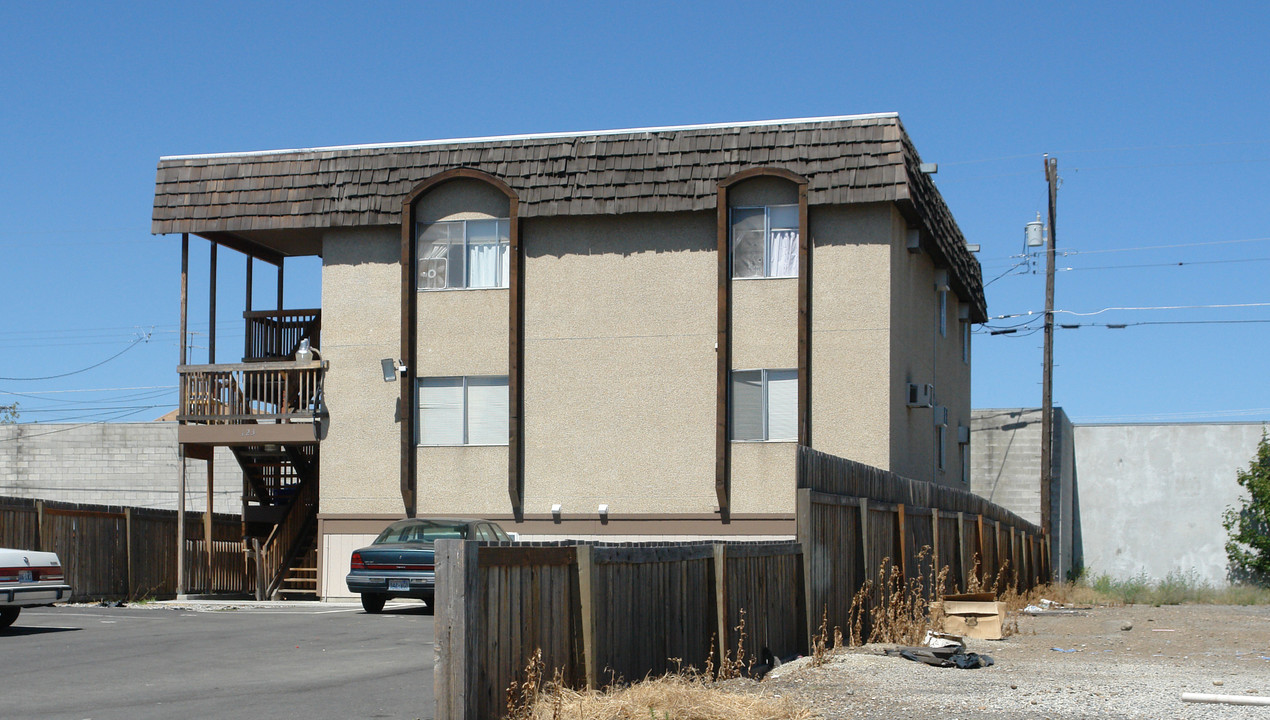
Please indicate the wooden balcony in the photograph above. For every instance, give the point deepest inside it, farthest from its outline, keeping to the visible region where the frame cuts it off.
(250, 403)
(276, 334)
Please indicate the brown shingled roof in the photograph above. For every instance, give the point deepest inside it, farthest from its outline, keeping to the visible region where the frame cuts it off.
(845, 160)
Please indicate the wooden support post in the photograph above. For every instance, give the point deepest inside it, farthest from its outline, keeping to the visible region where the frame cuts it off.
(180, 524)
(128, 556)
(963, 571)
(211, 308)
(207, 521)
(259, 559)
(41, 545)
(281, 275)
(586, 595)
(983, 559)
(811, 580)
(721, 595)
(903, 559)
(934, 542)
(183, 399)
(457, 629)
(869, 570)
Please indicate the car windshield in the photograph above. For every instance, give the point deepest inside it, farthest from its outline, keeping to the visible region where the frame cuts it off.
(422, 531)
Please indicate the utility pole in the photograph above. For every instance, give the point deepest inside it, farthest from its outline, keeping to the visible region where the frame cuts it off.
(1047, 382)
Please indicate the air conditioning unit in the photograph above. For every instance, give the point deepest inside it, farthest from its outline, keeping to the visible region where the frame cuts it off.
(921, 395)
(941, 416)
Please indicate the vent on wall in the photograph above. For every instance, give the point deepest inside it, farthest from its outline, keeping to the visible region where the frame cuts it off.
(921, 395)
(941, 416)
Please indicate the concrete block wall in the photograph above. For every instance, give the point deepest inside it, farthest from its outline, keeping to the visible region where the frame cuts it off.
(1005, 467)
(133, 464)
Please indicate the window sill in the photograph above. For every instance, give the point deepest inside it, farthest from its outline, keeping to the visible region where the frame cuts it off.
(438, 290)
(768, 277)
(462, 445)
(764, 442)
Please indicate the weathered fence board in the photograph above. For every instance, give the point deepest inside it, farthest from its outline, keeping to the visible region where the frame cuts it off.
(124, 552)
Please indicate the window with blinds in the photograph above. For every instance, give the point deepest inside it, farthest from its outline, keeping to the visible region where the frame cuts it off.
(463, 410)
(764, 405)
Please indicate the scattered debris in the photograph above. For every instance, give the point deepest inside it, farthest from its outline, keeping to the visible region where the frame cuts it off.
(1226, 699)
(1126, 626)
(953, 656)
(1218, 683)
(941, 640)
(973, 615)
(1065, 651)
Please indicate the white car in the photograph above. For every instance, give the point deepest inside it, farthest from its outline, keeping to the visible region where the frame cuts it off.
(29, 579)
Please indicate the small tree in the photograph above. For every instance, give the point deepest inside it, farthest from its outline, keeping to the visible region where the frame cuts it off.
(8, 414)
(1248, 526)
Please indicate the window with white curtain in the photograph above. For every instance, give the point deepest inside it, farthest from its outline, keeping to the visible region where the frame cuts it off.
(463, 254)
(463, 410)
(764, 241)
(764, 405)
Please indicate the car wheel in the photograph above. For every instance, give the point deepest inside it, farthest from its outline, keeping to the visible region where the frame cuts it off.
(8, 615)
(373, 602)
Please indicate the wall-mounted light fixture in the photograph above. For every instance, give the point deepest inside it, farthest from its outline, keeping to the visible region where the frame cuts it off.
(391, 368)
(604, 512)
(555, 513)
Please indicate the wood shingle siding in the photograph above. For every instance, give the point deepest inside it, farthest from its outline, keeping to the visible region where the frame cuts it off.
(846, 160)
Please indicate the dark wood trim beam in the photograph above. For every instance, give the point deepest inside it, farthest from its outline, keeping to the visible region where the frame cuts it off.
(211, 307)
(723, 359)
(516, 365)
(246, 434)
(723, 344)
(804, 319)
(244, 246)
(516, 338)
(409, 343)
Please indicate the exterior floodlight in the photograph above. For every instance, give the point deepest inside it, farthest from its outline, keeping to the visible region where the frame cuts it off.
(555, 512)
(389, 366)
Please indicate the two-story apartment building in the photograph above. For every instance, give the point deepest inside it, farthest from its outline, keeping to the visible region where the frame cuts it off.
(619, 333)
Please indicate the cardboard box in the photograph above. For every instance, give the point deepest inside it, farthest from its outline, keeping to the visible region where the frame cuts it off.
(975, 615)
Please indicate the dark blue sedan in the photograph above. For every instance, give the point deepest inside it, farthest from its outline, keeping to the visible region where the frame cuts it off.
(400, 563)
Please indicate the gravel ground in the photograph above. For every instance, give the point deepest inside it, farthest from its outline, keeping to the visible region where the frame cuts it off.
(1139, 672)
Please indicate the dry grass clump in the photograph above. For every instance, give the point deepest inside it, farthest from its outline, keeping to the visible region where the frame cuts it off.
(675, 697)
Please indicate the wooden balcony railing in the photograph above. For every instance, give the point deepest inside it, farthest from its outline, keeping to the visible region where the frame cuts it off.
(276, 334)
(250, 392)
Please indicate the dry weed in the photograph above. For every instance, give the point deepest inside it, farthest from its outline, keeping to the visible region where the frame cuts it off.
(673, 696)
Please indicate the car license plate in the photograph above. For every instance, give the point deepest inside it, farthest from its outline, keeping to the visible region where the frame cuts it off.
(398, 585)
(25, 576)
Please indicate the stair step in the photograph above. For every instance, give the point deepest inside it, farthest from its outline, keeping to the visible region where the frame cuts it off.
(289, 582)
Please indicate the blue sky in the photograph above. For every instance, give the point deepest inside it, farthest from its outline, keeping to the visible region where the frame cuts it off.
(1156, 113)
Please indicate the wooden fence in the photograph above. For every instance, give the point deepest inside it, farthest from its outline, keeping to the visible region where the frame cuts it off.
(853, 519)
(602, 613)
(124, 552)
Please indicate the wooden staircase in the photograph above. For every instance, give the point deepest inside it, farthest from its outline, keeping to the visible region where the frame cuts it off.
(280, 485)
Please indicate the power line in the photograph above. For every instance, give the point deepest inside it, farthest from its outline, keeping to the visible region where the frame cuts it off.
(144, 338)
(1166, 247)
(1166, 264)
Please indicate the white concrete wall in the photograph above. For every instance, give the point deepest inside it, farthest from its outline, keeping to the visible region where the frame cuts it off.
(1152, 496)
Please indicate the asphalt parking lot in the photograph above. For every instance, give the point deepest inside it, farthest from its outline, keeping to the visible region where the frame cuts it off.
(218, 660)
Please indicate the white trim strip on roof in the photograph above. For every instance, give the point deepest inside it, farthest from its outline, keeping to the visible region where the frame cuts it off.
(533, 136)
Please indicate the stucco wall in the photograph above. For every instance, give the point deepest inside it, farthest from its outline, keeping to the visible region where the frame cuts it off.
(851, 326)
(361, 316)
(920, 354)
(620, 363)
(1152, 496)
